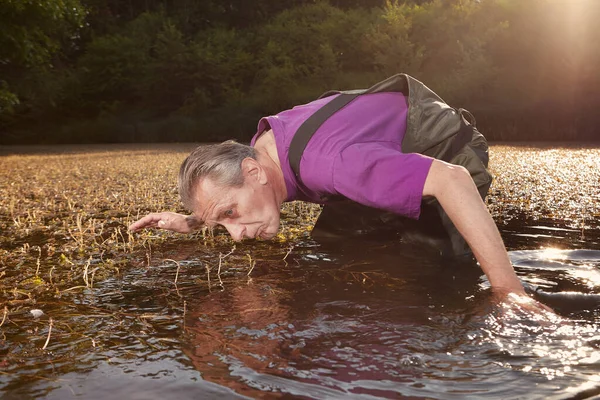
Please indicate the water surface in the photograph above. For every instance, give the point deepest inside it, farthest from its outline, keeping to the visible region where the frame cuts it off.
(295, 318)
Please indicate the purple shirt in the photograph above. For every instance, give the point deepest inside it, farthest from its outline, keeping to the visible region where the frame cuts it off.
(356, 153)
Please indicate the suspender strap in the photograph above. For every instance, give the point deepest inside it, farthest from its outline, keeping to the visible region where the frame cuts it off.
(311, 125)
(463, 136)
(306, 131)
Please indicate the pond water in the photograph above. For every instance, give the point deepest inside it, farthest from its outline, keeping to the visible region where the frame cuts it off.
(358, 318)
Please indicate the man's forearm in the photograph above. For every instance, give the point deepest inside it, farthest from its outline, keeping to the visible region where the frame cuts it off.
(458, 195)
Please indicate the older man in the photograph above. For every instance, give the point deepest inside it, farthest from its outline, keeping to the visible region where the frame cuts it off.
(365, 149)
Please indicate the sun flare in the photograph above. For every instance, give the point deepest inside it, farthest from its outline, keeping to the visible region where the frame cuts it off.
(553, 253)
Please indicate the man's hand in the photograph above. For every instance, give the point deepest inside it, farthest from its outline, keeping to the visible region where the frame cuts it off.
(511, 301)
(167, 220)
(510, 313)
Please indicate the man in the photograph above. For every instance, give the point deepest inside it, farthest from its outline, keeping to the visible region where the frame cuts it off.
(359, 153)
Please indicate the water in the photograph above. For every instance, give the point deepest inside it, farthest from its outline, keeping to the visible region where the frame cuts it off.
(382, 321)
(345, 325)
(342, 334)
(352, 319)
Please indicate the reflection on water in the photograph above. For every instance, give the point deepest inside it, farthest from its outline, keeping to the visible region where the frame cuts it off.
(357, 319)
(330, 336)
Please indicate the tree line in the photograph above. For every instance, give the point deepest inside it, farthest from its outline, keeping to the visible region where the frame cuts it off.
(79, 71)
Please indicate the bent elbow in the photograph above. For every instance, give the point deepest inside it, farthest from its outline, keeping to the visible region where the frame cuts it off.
(443, 176)
(459, 174)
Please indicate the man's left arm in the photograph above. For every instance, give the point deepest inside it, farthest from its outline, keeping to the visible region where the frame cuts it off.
(456, 192)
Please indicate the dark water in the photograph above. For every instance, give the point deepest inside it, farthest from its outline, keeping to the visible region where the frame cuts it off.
(357, 319)
(347, 319)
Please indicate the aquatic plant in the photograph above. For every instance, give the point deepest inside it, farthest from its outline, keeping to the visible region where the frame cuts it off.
(65, 250)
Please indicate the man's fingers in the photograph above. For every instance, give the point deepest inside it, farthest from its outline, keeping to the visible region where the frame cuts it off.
(135, 226)
(149, 221)
(164, 220)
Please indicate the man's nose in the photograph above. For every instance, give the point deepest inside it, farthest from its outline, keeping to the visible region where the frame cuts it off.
(236, 231)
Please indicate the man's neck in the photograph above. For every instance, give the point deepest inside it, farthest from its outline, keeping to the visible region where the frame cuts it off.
(269, 158)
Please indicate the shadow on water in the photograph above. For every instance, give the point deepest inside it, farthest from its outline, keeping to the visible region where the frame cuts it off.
(356, 319)
(300, 319)
(387, 321)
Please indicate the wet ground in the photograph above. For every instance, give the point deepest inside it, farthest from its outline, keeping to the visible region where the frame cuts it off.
(169, 316)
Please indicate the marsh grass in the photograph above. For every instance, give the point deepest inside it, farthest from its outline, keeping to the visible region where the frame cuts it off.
(546, 181)
(64, 214)
(63, 223)
(79, 205)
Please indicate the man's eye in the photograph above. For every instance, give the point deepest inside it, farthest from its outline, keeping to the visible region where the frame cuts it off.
(228, 213)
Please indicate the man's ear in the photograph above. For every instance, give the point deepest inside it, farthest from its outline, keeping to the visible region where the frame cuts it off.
(252, 169)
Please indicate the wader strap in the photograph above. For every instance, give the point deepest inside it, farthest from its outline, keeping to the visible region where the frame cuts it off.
(310, 126)
(462, 137)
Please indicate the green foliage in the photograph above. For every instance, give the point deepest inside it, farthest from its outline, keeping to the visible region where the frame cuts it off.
(450, 41)
(220, 70)
(150, 65)
(32, 30)
(8, 100)
(207, 70)
(114, 65)
(32, 33)
(390, 43)
(304, 50)
(556, 52)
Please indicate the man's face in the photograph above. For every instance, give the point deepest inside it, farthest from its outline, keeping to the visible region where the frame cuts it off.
(249, 211)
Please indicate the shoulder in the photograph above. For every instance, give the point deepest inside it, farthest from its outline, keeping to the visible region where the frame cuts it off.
(378, 174)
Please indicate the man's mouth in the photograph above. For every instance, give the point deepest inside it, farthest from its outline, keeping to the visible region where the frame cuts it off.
(262, 234)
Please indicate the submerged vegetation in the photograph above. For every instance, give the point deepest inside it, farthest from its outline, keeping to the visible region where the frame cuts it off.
(64, 215)
(71, 273)
(64, 220)
(548, 181)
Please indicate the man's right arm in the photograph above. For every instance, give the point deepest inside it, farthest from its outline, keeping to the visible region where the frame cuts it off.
(167, 220)
(453, 187)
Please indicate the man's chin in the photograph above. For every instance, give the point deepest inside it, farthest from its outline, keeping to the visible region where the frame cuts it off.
(267, 235)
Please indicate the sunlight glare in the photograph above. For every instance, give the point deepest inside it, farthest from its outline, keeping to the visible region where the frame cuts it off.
(552, 253)
(591, 384)
(589, 276)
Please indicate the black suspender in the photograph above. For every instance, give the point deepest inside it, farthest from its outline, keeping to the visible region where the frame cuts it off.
(311, 125)
(396, 83)
(302, 136)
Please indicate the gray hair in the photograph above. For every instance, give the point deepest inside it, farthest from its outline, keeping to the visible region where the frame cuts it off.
(220, 162)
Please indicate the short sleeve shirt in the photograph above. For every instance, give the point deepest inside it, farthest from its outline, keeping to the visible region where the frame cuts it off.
(356, 153)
